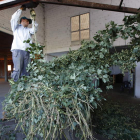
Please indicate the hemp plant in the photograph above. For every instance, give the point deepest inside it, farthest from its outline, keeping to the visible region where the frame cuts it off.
(60, 94)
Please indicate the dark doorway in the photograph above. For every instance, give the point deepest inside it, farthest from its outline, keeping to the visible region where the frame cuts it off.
(119, 78)
(6, 64)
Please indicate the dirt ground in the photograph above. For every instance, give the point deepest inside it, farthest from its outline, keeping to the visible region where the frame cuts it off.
(129, 103)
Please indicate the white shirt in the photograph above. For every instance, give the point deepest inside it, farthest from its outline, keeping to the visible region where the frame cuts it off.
(20, 32)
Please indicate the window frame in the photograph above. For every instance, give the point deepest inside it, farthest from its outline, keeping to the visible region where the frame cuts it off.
(78, 41)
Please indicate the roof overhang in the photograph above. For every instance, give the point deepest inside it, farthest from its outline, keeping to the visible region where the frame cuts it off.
(4, 4)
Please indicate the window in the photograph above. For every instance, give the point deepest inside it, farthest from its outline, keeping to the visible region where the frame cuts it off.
(9, 67)
(80, 27)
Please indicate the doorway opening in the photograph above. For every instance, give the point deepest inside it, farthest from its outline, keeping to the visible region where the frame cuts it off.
(6, 64)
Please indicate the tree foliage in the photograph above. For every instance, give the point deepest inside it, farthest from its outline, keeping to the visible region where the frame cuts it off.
(61, 94)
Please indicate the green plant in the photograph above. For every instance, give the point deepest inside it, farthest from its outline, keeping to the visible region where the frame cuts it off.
(7, 132)
(61, 94)
(112, 122)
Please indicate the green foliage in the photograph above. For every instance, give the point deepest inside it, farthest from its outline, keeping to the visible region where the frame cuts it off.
(61, 94)
(7, 133)
(113, 122)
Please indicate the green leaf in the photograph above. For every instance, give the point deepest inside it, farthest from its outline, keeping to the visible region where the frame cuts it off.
(99, 71)
(40, 77)
(73, 76)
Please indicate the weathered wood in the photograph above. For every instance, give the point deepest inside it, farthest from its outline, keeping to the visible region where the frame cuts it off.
(5, 69)
(92, 5)
(76, 3)
(13, 4)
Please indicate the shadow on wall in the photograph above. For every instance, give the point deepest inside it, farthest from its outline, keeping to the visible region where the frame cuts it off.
(51, 56)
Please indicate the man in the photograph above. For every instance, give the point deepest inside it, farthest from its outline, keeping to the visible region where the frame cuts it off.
(21, 32)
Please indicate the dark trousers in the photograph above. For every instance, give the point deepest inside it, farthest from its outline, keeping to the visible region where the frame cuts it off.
(20, 59)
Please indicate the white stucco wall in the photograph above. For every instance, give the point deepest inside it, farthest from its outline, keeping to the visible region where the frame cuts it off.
(5, 16)
(57, 23)
(137, 81)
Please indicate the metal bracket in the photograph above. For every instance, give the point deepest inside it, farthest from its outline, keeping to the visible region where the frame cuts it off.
(120, 4)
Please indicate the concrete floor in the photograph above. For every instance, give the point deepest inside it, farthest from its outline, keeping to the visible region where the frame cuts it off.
(4, 89)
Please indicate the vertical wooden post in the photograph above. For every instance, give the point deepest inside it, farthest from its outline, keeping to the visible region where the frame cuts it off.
(114, 79)
(5, 68)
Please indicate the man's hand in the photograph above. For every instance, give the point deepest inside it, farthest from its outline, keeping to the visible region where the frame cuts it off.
(32, 14)
(23, 7)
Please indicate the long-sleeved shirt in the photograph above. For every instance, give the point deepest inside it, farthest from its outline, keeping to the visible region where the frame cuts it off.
(20, 32)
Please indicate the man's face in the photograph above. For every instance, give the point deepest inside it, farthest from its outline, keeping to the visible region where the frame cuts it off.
(25, 22)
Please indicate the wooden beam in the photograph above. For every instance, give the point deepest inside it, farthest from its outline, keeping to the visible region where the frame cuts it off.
(92, 5)
(13, 4)
(5, 69)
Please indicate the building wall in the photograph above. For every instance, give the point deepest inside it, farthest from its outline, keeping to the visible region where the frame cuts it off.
(5, 16)
(137, 81)
(57, 23)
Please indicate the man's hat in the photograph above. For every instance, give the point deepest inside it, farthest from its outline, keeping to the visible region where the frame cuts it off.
(30, 21)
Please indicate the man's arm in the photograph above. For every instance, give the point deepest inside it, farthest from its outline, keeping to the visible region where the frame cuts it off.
(34, 27)
(15, 18)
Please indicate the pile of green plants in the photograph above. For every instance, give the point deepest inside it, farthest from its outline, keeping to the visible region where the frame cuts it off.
(61, 94)
(113, 122)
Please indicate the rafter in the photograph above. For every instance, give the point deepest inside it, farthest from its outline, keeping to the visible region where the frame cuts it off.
(92, 5)
(76, 3)
(13, 4)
